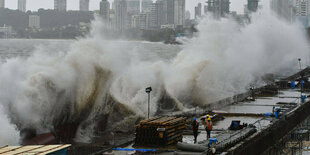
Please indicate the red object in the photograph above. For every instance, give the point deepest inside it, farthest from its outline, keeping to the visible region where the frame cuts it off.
(209, 125)
(42, 139)
(195, 125)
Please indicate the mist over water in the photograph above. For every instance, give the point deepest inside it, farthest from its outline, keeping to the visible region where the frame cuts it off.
(95, 75)
(233, 57)
(8, 133)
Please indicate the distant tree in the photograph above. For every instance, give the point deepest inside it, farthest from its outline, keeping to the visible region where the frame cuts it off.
(49, 19)
(2, 34)
(53, 18)
(17, 19)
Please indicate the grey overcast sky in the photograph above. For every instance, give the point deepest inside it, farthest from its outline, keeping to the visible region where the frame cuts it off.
(236, 5)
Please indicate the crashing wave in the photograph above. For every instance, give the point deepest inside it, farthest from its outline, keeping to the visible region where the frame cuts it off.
(98, 82)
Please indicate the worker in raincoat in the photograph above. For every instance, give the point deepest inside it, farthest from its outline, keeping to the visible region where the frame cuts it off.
(208, 127)
(195, 126)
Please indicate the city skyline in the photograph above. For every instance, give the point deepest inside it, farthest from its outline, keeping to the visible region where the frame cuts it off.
(34, 5)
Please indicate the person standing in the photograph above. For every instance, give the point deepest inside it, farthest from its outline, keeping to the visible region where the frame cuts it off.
(195, 126)
(208, 127)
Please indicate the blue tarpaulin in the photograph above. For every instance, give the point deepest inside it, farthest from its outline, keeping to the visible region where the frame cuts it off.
(212, 140)
(292, 84)
(276, 112)
(302, 83)
(303, 98)
(141, 150)
(59, 152)
(267, 114)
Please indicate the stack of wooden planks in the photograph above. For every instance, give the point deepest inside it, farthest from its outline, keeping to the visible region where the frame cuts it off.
(160, 131)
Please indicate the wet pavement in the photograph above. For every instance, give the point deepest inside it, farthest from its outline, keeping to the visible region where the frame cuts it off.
(224, 124)
(260, 105)
(263, 104)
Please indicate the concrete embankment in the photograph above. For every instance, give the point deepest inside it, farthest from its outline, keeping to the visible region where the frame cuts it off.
(259, 142)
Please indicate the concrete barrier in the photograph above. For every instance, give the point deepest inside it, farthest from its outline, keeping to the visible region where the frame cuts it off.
(191, 147)
(262, 141)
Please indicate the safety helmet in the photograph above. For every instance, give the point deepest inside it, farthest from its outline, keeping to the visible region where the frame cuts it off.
(194, 118)
(209, 119)
(207, 115)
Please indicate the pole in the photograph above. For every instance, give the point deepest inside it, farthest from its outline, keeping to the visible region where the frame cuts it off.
(148, 106)
(300, 90)
(148, 91)
(299, 60)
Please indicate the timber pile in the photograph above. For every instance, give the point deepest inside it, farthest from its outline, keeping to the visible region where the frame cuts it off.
(160, 131)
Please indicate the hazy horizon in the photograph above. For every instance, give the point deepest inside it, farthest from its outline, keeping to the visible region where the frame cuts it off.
(34, 5)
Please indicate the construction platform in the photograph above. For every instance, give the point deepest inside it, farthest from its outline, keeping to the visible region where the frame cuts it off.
(252, 112)
(159, 135)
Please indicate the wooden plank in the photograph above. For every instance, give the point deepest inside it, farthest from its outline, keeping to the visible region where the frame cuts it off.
(11, 150)
(32, 149)
(147, 134)
(149, 120)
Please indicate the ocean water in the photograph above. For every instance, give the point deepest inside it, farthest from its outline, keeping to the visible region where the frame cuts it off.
(10, 48)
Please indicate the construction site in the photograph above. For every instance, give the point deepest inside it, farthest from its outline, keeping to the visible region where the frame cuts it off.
(273, 119)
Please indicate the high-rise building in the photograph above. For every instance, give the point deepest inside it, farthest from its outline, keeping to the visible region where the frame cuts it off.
(187, 15)
(252, 5)
(155, 18)
(34, 21)
(225, 7)
(105, 10)
(245, 9)
(135, 23)
(84, 5)
(120, 22)
(171, 12)
(113, 6)
(60, 5)
(112, 18)
(211, 6)
(198, 11)
(22, 5)
(2, 3)
(129, 18)
(302, 7)
(219, 8)
(168, 12)
(133, 6)
(179, 12)
(285, 9)
(165, 12)
(146, 5)
(160, 12)
(143, 21)
(133, 9)
(188, 21)
(205, 9)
